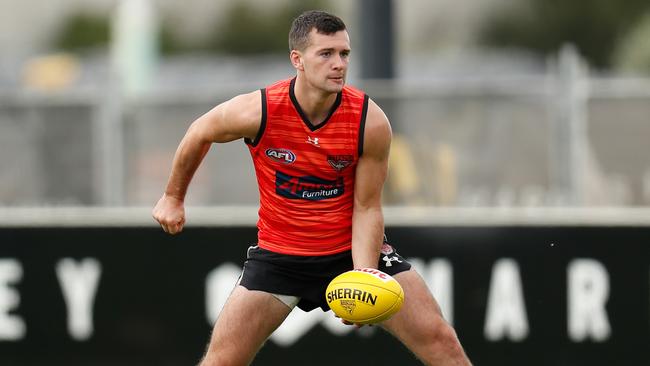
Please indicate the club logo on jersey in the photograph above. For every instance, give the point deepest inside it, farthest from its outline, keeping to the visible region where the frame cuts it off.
(281, 155)
(340, 162)
(307, 188)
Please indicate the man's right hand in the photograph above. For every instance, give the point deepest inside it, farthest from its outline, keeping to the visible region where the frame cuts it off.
(170, 213)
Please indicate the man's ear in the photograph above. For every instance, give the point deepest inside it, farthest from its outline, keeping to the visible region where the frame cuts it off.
(296, 60)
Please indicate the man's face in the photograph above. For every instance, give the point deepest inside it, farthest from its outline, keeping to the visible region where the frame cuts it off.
(325, 60)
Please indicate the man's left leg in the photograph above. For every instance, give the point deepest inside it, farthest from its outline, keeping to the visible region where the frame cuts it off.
(421, 327)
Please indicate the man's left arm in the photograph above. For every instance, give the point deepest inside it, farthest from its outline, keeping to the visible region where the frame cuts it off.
(372, 169)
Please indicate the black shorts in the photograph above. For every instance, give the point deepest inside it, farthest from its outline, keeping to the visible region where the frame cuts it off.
(306, 277)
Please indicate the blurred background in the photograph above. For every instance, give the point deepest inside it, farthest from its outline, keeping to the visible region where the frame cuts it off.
(519, 177)
(503, 103)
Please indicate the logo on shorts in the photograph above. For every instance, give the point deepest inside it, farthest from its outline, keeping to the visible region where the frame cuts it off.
(340, 162)
(388, 260)
(387, 249)
(281, 155)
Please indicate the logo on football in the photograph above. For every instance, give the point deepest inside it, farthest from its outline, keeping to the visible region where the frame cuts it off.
(364, 296)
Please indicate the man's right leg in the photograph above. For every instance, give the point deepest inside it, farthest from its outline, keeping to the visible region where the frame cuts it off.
(248, 318)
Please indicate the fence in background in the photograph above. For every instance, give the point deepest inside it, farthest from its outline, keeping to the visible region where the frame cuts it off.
(563, 138)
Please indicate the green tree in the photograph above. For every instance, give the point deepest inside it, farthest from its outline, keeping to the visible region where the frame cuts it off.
(83, 31)
(594, 26)
(633, 53)
(248, 30)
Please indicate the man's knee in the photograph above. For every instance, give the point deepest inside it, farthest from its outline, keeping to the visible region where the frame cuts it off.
(446, 334)
(439, 334)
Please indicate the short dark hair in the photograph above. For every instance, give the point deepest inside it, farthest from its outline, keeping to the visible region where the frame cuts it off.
(325, 23)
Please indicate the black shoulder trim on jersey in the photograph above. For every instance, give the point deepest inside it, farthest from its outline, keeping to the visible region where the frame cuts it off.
(260, 132)
(362, 123)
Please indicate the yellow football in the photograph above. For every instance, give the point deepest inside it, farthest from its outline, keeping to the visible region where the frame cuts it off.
(364, 296)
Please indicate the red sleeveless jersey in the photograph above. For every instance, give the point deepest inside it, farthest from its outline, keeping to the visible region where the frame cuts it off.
(306, 173)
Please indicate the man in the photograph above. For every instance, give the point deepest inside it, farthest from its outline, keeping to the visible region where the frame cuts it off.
(320, 151)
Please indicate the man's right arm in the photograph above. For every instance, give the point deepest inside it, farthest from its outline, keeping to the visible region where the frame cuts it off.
(237, 118)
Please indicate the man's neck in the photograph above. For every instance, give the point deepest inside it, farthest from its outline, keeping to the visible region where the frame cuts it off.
(315, 103)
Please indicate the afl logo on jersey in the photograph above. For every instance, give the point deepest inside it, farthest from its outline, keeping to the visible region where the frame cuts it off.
(281, 155)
